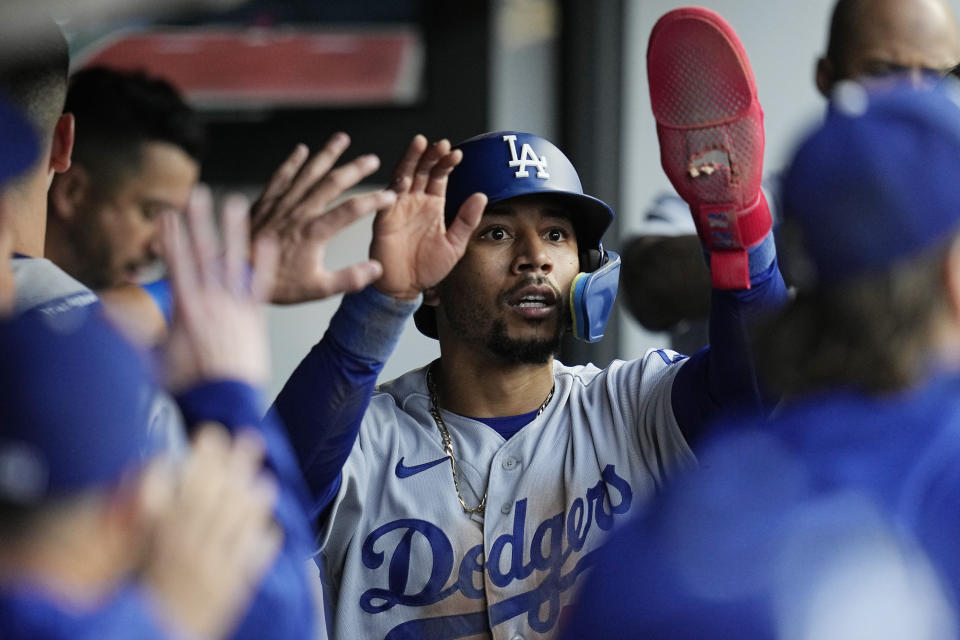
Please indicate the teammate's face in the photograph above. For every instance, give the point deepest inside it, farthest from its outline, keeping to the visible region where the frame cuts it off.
(509, 292)
(117, 236)
(896, 36)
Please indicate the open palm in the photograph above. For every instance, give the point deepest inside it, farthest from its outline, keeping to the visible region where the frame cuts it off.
(299, 209)
(410, 238)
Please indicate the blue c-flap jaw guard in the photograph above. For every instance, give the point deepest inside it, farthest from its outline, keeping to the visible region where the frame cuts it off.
(591, 298)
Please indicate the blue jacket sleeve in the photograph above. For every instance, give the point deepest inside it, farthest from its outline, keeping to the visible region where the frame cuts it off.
(323, 403)
(723, 376)
(162, 295)
(129, 614)
(283, 606)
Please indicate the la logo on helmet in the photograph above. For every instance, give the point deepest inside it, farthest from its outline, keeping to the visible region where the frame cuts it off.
(527, 157)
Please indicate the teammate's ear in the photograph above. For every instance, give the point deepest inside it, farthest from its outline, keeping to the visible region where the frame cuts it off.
(431, 298)
(68, 190)
(62, 144)
(824, 76)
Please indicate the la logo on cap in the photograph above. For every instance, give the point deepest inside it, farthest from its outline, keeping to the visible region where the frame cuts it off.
(527, 157)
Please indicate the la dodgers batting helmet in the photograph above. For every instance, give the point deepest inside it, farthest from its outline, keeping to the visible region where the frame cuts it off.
(507, 164)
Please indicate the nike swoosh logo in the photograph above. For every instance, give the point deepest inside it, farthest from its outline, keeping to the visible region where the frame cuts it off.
(404, 471)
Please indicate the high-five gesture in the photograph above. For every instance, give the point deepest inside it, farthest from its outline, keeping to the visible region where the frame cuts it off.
(218, 331)
(221, 513)
(295, 208)
(410, 239)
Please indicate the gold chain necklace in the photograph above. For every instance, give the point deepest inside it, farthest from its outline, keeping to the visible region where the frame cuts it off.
(448, 441)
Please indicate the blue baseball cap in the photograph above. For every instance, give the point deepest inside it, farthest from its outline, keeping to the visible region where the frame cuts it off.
(879, 180)
(18, 141)
(507, 164)
(75, 401)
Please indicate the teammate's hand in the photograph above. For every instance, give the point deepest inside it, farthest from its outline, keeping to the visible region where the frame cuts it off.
(295, 208)
(410, 238)
(218, 330)
(213, 535)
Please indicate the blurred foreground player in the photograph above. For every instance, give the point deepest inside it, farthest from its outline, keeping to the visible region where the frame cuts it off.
(33, 79)
(839, 517)
(99, 539)
(103, 537)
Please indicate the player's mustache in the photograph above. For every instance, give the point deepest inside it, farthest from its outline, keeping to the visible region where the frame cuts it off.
(532, 281)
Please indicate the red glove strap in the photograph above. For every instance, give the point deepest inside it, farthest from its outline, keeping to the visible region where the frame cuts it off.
(727, 234)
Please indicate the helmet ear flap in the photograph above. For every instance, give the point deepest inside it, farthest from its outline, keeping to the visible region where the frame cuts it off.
(592, 294)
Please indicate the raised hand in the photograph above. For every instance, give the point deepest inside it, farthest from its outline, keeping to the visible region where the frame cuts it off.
(410, 239)
(218, 330)
(295, 208)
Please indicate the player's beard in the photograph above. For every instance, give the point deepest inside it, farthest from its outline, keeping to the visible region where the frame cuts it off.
(94, 256)
(529, 351)
(472, 321)
(95, 261)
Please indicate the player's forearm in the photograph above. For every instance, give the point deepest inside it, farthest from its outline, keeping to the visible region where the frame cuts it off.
(237, 405)
(283, 605)
(723, 377)
(323, 402)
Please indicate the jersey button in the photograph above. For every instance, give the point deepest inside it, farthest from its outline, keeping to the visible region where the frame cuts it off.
(505, 509)
(510, 463)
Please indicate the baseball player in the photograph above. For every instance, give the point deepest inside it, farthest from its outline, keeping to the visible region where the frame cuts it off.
(100, 539)
(136, 154)
(467, 497)
(36, 84)
(863, 457)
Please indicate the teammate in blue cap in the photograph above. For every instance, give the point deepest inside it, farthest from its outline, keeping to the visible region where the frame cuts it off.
(466, 497)
(103, 537)
(840, 513)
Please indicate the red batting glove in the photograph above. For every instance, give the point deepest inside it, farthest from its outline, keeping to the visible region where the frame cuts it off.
(710, 126)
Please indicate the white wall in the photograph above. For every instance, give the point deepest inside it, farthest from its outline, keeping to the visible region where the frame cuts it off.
(783, 39)
(523, 66)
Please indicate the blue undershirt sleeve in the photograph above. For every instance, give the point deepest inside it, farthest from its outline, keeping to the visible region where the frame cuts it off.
(130, 613)
(283, 606)
(323, 403)
(723, 376)
(162, 296)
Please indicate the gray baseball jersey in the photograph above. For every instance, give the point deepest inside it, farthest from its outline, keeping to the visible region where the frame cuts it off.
(43, 287)
(403, 560)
